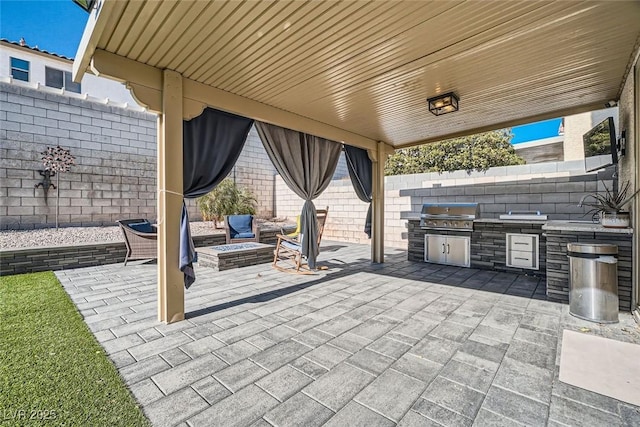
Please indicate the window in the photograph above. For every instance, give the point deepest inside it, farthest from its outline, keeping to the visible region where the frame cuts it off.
(20, 69)
(60, 79)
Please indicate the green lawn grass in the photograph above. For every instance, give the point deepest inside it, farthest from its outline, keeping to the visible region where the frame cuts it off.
(52, 370)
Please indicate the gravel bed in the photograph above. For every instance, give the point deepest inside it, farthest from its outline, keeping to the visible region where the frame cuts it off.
(13, 239)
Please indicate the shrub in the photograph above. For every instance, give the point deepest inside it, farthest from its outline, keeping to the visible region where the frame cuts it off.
(226, 199)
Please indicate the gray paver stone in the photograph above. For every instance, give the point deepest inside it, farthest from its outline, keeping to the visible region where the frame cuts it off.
(211, 390)
(175, 356)
(350, 342)
(240, 374)
(299, 411)
(201, 346)
(182, 375)
(414, 419)
(391, 394)
(370, 361)
(335, 388)
(238, 410)
(454, 396)
(144, 369)
(327, 355)
(146, 392)
(389, 347)
(280, 354)
(542, 357)
(417, 367)
(440, 414)
(472, 376)
(284, 382)
(356, 415)
(435, 349)
(516, 407)
(174, 408)
(525, 379)
(236, 352)
(310, 368)
(491, 419)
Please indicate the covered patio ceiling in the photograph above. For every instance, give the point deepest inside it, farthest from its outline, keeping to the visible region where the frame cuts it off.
(366, 68)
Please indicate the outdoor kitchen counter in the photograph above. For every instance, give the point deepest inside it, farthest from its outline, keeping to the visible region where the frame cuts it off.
(583, 227)
(560, 233)
(488, 243)
(509, 221)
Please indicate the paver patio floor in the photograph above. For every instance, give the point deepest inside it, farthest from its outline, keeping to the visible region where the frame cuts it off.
(357, 344)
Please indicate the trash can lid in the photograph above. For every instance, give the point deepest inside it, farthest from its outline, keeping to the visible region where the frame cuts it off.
(593, 248)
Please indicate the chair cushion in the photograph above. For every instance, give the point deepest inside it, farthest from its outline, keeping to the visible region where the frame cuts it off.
(239, 224)
(290, 245)
(142, 227)
(243, 236)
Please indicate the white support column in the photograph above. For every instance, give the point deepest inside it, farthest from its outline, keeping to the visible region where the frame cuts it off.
(170, 278)
(377, 205)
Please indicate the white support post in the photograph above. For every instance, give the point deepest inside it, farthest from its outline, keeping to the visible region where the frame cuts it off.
(377, 205)
(170, 278)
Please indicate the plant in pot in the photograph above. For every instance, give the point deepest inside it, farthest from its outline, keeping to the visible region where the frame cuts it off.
(226, 199)
(610, 206)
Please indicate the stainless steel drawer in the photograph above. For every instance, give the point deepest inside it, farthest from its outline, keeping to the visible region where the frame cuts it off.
(522, 259)
(521, 242)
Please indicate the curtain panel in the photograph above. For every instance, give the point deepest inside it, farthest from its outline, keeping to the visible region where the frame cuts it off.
(212, 143)
(361, 174)
(306, 164)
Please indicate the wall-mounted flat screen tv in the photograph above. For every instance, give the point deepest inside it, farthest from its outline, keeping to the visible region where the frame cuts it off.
(600, 146)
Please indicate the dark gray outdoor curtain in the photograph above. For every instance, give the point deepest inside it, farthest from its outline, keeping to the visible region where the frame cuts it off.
(306, 164)
(361, 174)
(212, 143)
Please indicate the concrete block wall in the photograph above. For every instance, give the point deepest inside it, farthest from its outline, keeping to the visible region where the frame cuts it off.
(347, 213)
(254, 171)
(114, 175)
(555, 188)
(115, 172)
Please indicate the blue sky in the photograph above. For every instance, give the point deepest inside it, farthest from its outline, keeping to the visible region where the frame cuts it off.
(57, 25)
(539, 130)
(53, 25)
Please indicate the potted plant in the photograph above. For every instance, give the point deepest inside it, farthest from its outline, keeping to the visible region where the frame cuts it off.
(610, 206)
(226, 199)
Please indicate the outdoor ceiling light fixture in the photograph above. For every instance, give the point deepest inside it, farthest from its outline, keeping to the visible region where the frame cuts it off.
(443, 104)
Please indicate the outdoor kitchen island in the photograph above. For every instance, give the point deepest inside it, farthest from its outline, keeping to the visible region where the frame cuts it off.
(489, 249)
(559, 233)
(515, 246)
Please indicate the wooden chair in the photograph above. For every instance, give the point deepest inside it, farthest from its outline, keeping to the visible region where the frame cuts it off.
(241, 229)
(141, 239)
(288, 249)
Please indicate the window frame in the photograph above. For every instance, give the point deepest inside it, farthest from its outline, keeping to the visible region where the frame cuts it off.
(66, 80)
(19, 69)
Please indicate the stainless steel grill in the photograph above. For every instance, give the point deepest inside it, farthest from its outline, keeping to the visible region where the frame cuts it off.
(449, 216)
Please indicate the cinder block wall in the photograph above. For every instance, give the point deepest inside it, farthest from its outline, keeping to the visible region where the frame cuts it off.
(553, 188)
(255, 171)
(114, 175)
(115, 172)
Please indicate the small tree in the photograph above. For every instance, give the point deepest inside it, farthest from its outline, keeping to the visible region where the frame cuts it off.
(476, 152)
(57, 160)
(226, 199)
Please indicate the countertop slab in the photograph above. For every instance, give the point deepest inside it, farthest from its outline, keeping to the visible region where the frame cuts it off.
(510, 221)
(583, 226)
(496, 221)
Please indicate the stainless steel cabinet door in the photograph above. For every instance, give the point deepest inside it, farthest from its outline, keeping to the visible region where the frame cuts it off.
(457, 250)
(435, 248)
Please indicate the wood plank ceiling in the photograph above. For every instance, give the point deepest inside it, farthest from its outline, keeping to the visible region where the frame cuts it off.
(368, 66)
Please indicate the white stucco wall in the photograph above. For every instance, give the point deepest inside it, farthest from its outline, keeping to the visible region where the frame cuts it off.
(95, 86)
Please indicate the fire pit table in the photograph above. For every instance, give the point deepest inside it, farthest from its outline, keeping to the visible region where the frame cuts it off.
(234, 255)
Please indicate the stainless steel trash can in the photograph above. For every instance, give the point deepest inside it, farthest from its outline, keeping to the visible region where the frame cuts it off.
(593, 281)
